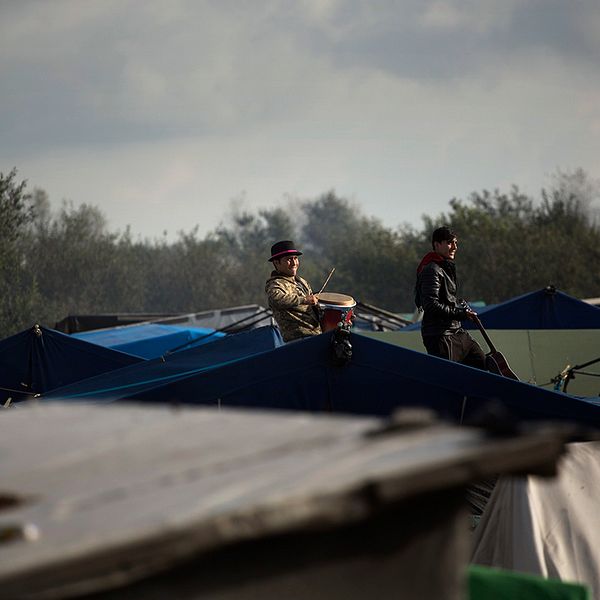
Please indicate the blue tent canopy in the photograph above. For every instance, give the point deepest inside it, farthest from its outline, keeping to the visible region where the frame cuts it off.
(544, 309)
(379, 378)
(133, 381)
(148, 340)
(37, 360)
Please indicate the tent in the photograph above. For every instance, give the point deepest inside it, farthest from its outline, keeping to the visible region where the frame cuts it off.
(548, 527)
(161, 372)
(536, 355)
(540, 334)
(544, 309)
(234, 319)
(37, 360)
(148, 340)
(304, 376)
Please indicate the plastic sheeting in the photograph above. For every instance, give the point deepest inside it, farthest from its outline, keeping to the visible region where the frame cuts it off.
(133, 381)
(149, 340)
(549, 527)
(37, 360)
(496, 584)
(543, 309)
(535, 355)
(301, 376)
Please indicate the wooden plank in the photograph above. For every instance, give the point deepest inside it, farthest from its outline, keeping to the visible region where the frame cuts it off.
(157, 484)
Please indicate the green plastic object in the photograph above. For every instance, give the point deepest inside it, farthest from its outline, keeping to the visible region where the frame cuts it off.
(485, 583)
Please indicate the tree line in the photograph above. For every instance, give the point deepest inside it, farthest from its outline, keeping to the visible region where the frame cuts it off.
(66, 261)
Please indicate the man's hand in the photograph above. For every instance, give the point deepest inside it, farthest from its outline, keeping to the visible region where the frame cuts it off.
(311, 299)
(471, 314)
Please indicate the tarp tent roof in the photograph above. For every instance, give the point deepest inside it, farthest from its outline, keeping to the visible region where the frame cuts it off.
(235, 318)
(148, 340)
(37, 360)
(535, 355)
(133, 381)
(544, 309)
(379, 378)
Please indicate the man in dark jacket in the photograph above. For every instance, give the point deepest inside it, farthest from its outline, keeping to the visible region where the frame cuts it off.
(435, 294)
(290, 296)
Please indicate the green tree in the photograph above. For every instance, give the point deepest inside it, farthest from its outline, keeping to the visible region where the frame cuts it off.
(509, 244)
(17, 284)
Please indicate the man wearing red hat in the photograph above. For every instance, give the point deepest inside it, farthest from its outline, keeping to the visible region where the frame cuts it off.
(290, 296)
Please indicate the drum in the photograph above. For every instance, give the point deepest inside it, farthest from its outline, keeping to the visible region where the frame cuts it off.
(335, 309)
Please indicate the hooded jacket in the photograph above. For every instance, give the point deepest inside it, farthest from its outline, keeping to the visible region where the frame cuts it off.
(435, 293)
(295, 319)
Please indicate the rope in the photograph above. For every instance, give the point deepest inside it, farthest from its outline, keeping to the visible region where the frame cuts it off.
(5, 389)
(586, 373)
(381, 314)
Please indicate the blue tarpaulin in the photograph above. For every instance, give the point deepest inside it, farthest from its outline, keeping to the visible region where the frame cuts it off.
(544, 309)
(149, 340)
(38, 360)
(133, 381)
(300, 376)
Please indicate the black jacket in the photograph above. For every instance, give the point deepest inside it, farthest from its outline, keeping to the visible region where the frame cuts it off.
(436, 294)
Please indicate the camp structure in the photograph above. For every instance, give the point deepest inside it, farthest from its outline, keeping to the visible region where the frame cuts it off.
(157, 376)
(231, 320)
(38, 360)
(227, 320)
(547, 308)
(309, 375)
(149, 502)
(548, 527)
(542, 334)
(149, 340)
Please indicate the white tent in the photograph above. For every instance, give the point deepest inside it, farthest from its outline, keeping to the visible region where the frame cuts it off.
(549, 527)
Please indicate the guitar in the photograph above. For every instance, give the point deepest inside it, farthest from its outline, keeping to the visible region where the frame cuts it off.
(494, 360)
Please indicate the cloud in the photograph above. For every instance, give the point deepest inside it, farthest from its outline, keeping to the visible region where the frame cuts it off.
(112, 71)
(161, 112)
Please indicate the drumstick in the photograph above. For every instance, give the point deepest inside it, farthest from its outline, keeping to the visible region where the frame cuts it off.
(326, 281)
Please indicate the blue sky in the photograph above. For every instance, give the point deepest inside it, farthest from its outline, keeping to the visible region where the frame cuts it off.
(164, 114)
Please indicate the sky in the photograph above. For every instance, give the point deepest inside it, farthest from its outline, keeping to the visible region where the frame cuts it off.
(166, 114)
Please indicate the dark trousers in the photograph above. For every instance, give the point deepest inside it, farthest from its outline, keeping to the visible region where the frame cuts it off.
(459, 347)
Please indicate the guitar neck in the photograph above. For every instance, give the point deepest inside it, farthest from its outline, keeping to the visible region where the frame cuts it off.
(486, 337)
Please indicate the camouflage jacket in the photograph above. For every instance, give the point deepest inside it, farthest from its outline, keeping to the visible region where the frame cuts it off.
(285, 294)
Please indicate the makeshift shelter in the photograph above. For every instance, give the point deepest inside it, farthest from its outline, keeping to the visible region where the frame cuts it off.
(149, 340)
(544, 309)
(38, 360)
(540, 334)
(234, 319)
(305, 375)
(536, 356)
(77, 323)
(160, 372)
(549, 527)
